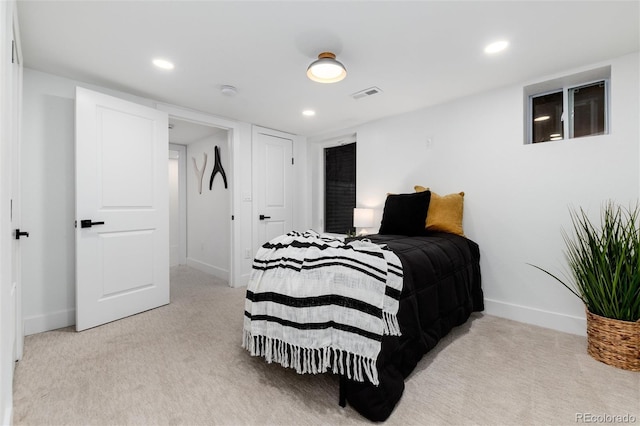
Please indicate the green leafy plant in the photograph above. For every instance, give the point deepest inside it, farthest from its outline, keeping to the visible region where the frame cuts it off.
(605, 262)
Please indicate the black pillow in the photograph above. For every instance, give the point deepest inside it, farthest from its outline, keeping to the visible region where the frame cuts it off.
(405, 214)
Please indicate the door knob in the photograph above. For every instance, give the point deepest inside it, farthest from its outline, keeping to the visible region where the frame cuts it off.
(87, 223)
(20, 233)
(263, 217)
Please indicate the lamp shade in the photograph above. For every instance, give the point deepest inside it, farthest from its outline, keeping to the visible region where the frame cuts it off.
(326, 69)
(362, 218)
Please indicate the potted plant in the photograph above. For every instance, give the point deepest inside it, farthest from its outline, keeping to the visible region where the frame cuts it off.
(605, 274)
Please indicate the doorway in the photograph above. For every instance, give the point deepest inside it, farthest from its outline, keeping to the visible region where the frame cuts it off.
(200, 197)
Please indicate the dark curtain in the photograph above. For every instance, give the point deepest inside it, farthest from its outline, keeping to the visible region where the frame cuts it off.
(340, 188)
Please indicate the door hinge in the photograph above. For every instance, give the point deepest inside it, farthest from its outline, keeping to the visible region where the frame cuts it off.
(13, 51)
(232, 217)
(292, 161)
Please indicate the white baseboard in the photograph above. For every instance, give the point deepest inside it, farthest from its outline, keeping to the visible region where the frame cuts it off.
(209, 269)
(242, 281)
(553, 320)
(50, 321)
(7, 415)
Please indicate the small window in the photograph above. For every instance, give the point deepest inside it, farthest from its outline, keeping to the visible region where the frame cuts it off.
(339, 188)
(588, 110)
(547, 117)
(569, 107)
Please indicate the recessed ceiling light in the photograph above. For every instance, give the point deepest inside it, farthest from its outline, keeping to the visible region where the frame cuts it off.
(308, 113)
(542, 118)
(163, 63)
(496, 47)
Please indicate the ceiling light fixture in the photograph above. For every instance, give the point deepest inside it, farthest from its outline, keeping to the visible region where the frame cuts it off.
(496, 47)
(326, 69)
(163, 63)
(542, 118)
(308, 113)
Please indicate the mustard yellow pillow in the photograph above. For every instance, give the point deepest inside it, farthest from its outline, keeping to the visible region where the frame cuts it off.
(445, 212)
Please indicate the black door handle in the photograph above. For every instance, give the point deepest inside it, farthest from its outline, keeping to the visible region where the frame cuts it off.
(263, 217)
(21, 234)
(87, 223)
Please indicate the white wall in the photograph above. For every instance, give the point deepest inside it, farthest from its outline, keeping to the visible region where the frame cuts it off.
(243, 239)
(174, 208)
(209, 212)
(517, 196)
(302, 209)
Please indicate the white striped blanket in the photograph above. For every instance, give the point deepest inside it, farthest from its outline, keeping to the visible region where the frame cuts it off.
(316, 304)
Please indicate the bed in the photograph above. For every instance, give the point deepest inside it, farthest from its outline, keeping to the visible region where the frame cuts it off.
(439, 287)
(442, 287)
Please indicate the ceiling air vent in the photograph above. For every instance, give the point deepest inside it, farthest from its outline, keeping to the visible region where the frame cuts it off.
(366, 92)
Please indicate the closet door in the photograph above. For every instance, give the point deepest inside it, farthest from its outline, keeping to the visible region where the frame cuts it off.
(273, 168)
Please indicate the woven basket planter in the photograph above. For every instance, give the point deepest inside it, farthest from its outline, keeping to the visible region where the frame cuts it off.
(614, 342)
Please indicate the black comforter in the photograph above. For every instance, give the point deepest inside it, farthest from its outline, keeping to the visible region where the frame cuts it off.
(441, 289)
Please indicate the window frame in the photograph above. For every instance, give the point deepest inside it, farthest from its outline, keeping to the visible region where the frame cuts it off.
(606, 107)
(564, 84)
(324, 185)
(320, 164)
(530, 113)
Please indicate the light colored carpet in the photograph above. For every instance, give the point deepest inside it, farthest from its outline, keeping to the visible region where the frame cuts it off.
(182, 364)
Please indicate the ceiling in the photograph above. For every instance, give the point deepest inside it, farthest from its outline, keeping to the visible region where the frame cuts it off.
(419, 53)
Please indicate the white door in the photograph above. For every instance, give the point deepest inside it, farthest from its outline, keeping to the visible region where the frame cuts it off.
(273, 156)
(16, 101)
(122, 209)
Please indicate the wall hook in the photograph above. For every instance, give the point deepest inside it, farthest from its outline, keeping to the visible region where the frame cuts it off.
(217, 168)
(199, 172)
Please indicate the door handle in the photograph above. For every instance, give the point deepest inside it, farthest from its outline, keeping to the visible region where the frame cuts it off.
(263, 217)
(87, 223)
(20, 233)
